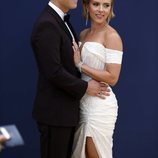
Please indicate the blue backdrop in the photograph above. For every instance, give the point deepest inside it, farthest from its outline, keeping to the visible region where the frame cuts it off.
(136, 128)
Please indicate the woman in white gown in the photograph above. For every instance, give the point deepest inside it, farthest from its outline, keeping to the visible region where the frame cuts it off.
(100, 59)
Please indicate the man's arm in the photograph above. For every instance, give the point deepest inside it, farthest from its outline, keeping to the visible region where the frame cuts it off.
(47, 51)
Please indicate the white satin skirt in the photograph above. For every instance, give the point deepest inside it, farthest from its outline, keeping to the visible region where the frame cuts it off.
(97, 120)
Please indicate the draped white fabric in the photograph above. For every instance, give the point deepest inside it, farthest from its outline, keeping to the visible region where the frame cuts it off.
(97, 116)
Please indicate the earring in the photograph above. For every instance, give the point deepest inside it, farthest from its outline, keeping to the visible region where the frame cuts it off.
(87, 16)
(107, 22)
(108, 18)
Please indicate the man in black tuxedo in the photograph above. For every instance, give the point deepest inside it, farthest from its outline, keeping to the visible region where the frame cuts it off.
(59, 88)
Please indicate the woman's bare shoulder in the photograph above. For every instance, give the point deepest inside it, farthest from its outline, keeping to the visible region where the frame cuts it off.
(83, 34)
(113, 39)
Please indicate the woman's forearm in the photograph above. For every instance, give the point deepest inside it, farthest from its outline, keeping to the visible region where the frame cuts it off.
(100, 75)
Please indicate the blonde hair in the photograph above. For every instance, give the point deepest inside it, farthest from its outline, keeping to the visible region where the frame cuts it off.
(85, 12)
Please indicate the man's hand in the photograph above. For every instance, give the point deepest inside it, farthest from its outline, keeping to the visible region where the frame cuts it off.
(2, 140)
(99, 89)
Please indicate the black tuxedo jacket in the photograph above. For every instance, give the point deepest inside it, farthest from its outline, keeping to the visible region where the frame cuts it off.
(59, 87)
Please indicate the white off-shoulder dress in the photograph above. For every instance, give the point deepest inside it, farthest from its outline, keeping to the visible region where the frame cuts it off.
(97, 116)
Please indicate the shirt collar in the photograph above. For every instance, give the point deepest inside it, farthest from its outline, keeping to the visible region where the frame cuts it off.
(58, 10)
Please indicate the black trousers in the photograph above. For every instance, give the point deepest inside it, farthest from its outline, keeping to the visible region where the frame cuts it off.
(56, 142)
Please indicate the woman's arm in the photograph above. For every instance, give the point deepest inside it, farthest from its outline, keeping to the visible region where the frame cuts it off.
(109, 75)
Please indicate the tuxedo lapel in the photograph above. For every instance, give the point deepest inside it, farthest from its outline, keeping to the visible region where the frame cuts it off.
(59, 20)
(73, 31)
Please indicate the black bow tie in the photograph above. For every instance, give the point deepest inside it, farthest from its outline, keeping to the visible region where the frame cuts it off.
(66, 17)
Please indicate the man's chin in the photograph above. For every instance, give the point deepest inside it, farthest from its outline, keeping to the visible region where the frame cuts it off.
(75, 3)
(74, 6)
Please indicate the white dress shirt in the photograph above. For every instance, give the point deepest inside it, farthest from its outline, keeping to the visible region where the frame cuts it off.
(61, 14)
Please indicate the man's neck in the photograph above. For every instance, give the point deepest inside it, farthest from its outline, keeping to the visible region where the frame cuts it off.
(59, 5)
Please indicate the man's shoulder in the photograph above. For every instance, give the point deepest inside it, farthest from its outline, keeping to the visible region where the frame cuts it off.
(44, 16)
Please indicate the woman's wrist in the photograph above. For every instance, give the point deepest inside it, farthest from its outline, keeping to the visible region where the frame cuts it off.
(79, 66)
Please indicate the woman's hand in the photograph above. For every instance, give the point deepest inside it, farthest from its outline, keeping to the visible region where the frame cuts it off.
(77, 55)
